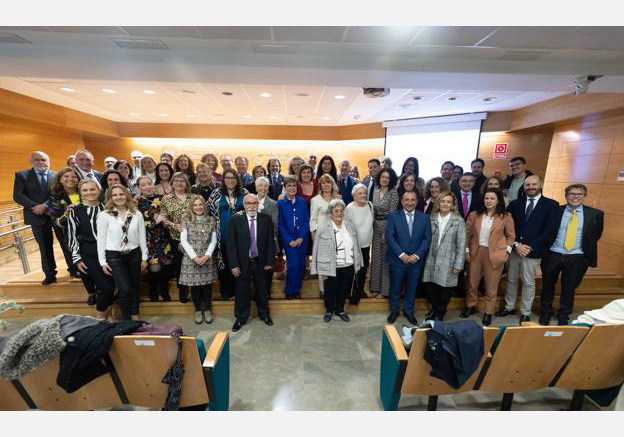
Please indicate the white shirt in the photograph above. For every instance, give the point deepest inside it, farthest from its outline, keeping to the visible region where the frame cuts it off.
(261, 203)
(344, 246)
(189, 249)
(85, 175)
(486, 228)
(535, 200)
(442, 222)
(110, 235)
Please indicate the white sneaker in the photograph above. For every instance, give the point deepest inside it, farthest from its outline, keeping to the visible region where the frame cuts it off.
(208, 317)
(199, 317)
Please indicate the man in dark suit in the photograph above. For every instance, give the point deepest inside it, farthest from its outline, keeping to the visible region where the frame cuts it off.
(31, 189)
(345, 182)
(84, 161)
(408, 236)
(476, 166)
(535, 220)
(374, 165)
(251, 254)
(573, 248)
(467, 199)
(275, 178)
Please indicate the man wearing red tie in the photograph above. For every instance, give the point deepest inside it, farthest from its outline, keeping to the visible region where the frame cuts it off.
(467, 200)
(251, 254)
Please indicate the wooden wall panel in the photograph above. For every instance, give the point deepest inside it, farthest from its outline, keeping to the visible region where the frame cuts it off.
(593, 153)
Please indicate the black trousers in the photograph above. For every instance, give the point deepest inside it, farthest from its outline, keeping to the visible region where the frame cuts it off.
(62, 238)
(127, 277)
(336, 288)
(360, 277)
(225, 276)
(242, 304)
(45, 240)
(96, 279)
(439, 297)
(202, 293)
(572, 269)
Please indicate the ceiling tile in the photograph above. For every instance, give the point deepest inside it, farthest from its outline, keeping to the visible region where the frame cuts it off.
(163, 31)
(452, 36)
(309, 33)
(381, 34)
(235, 32)
(98, 30)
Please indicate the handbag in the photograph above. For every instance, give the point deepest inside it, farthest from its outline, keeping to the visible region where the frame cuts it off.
(168, 329)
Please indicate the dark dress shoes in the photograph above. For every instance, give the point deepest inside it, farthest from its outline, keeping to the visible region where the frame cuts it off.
(430, 315)
(290, 296)
(392, 317)
(268, 321)
(563, 321)
(237, 325)
(183, 294)
(505, 313)
(544, 319)
(91, 299)
(410, 318)
(487, 320)
(344, 317)
(467, 312)
(327, 317)
(49, 280)
(525, 318)
(75, 275)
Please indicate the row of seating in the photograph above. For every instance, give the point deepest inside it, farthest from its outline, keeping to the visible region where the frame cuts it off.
(137, 365)
(517, 359)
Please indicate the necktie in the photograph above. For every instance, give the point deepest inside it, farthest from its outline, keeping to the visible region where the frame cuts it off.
(529, 209)
(44, 182)
(253, 252)
(570, 237)
(410, 222)
(466, 205)
(371, 189)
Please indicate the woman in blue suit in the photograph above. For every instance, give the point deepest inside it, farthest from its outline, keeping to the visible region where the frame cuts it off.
(294, 226)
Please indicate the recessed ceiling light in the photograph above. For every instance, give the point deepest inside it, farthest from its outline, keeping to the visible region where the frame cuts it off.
(134, 114)
(489, 99)
(452, 99)
(191, 115)
(227, 93)
(187, 91)
(301, 95)
(326, 118)
(108, 91)
(273, 117)
(69, 90)
(218, 115)
(162, 115)
(300, 116)
(149, 91)
(265, 95)
(246, 116)
(417, 97)
(357, 117)
(405, 105)
(339, 97)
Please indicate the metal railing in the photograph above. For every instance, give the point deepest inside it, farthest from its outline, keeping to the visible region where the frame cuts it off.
(12, 211)
(19, 245)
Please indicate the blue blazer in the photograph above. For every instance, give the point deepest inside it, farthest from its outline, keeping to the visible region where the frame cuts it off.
(345, 187)
(398, 238)
(537, 232)
(288, 229)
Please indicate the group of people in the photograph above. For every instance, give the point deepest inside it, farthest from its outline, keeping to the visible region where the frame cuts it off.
(187, 221)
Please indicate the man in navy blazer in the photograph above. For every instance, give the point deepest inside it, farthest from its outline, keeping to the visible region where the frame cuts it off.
(406, 253)
(84, 161)
(31, 189)
(345, 182)
(535, 221)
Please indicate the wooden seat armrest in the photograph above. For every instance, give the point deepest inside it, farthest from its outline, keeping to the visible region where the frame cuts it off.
(529, 324)
(395, 342)
(214, 351)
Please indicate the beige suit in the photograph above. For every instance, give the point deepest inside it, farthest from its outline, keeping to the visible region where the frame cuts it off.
(488, 261)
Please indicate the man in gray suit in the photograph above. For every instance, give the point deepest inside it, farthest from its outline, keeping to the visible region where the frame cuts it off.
(31, 189)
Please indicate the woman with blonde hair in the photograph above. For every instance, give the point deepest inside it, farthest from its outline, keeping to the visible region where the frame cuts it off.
(445, 258)
(148, 167)
(199, 240)
(122, 247)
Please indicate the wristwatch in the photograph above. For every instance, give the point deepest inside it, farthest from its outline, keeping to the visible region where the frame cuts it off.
(515, 245)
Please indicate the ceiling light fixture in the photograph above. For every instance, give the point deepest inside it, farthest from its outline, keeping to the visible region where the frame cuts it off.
(227, 93)
(489, 99)
(452, 99)
(108, 91)
(187, 91)
(191, 115)
(134, 114)
(339, 97)
(273, 117)
(246, 116)
(301, 95)
(405, 105)
(265, 95)
(417, 97)
(300, 116)
(162, 115)
(357, 117)
(326, 118)
(218, 115)
(69, 90)
(149, 91)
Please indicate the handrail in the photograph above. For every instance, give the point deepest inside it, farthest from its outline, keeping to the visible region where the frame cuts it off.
(11, 210)
(14, 231)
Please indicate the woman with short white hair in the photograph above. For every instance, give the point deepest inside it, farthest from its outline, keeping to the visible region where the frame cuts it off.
(336, 257)
(360, 214)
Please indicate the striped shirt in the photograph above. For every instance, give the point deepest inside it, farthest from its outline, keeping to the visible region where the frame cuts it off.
(81, 227)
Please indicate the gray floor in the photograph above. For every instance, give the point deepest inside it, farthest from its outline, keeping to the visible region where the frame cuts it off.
(302, 363)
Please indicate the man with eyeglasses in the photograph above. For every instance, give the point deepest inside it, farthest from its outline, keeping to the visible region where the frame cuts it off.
(251, 255)
(514, 183)
(572, 250)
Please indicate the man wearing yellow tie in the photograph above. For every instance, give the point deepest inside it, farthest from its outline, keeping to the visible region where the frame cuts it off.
(573, 250)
